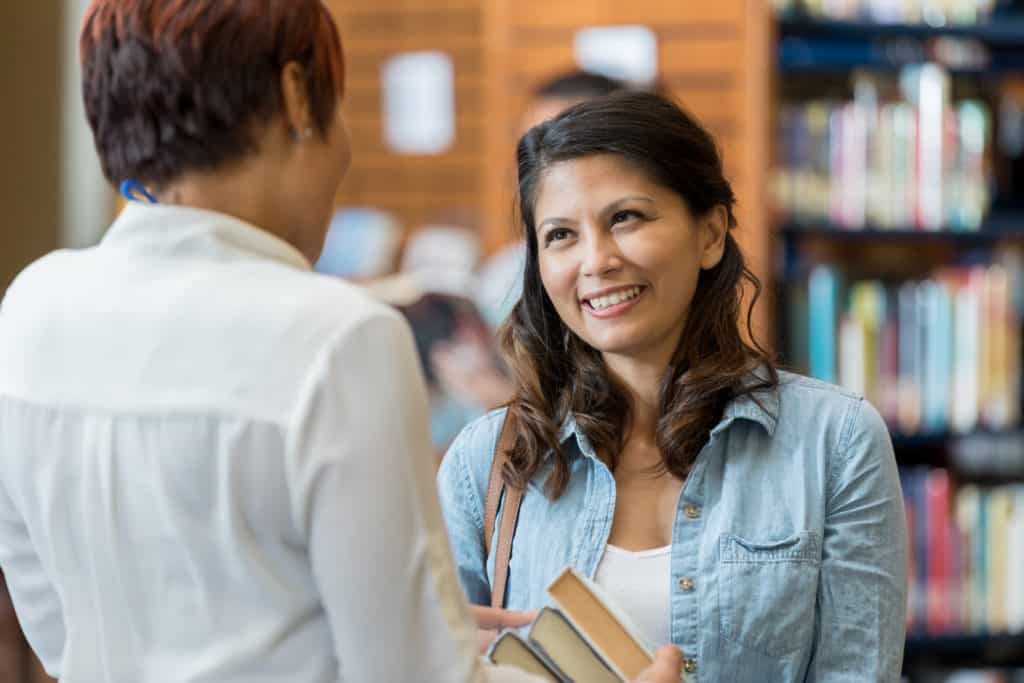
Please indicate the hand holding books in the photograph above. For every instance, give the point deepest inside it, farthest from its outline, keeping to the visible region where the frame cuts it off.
(667, 666)
(584, 639)
(491, 620)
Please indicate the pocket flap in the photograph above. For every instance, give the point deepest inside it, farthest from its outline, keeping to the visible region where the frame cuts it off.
(803, 546)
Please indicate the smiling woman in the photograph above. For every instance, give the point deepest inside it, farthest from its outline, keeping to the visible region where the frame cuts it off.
(748, 516)
(628, 194)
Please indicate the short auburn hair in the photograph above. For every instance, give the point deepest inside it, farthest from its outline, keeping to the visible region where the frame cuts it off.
(173, 86)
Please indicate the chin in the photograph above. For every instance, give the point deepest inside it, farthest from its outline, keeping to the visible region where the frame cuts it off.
(618, 345)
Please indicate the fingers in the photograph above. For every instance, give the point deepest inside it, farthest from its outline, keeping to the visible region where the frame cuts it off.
(484, 639)
(667, 666)
(495, 618)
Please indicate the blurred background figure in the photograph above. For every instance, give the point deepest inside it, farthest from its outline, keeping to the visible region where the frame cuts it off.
(434, 289)
(501, 275)
(454, 302)
(362, 243)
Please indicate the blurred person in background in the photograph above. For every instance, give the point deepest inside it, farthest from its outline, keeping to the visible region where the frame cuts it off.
(213, 461)
(470, 378)
(749, 516)
(500, 277)
(443, 294)
(434, 290)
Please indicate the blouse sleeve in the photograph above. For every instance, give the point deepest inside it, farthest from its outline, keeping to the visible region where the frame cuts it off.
(862, 594)
(363, 492)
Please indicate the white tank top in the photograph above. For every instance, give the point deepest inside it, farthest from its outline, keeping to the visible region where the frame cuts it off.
(639, 584)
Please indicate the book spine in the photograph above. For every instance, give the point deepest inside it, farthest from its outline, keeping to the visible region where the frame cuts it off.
(822, 302)
(966, 368)
(937, 492)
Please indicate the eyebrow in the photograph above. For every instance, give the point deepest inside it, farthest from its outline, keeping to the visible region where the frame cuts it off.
(619, 202)
(610, 208)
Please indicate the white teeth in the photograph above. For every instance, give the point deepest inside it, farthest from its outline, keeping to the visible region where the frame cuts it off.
(613, 299)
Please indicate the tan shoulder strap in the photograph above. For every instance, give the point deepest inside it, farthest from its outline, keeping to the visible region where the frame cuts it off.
(513, 499)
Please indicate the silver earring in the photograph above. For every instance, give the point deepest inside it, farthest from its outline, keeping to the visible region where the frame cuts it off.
(304, 134)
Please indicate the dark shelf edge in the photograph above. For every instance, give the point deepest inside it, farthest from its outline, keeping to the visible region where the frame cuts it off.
(964, 651)
(994, 231)
(998, 31)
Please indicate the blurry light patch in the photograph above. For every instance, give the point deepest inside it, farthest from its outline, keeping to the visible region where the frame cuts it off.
(419, 102)
(361, 243)
(628, 53)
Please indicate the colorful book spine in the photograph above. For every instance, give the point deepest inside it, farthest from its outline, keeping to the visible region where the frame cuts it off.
(822, 302)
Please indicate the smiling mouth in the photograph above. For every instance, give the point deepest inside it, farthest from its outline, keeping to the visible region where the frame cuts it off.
(607, 301)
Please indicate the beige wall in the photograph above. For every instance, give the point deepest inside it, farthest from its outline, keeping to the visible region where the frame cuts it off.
(30, 129)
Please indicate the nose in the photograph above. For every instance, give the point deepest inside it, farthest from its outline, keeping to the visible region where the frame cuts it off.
(601, 254)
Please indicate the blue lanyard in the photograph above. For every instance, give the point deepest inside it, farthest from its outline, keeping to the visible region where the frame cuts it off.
(131, 189)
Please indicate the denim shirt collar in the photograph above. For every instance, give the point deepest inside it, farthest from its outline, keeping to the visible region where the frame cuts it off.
(760, 407)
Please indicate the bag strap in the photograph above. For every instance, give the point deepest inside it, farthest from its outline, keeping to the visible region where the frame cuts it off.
(513, 499)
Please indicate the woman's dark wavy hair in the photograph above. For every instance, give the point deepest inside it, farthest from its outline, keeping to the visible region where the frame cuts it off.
(557, 374)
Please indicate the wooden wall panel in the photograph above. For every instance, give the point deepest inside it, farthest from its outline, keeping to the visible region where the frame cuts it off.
(417, 189)
(573, 13)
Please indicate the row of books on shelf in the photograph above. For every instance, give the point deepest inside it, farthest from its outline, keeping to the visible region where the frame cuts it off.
(930, 12)
(966, 555)
(900, 154)
(934, 355)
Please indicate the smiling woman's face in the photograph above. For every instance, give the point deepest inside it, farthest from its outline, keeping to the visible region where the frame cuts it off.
(620, 255)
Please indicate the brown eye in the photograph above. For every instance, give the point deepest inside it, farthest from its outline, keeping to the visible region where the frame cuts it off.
(623, 216)
(555, 235)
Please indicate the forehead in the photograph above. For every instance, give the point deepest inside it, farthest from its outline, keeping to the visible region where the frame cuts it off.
(592, 179)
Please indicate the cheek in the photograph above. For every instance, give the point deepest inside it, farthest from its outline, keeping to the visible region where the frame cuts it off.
(558, 281)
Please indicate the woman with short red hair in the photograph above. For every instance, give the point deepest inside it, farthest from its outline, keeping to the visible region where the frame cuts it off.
(215, 464)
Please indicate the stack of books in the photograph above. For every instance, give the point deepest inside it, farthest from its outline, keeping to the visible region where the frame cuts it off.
(966, 555)
(584, 638)
(900, 155)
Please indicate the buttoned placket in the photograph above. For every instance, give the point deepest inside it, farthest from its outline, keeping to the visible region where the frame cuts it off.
(686, 533)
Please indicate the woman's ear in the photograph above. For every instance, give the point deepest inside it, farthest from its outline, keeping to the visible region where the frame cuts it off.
(298, 113)
(714, 227)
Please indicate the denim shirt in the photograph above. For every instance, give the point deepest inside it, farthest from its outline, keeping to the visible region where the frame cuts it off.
(789, 546)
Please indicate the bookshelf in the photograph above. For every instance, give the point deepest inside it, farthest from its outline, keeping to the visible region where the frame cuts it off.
(999, 31)
(808, 45)
(890, 266)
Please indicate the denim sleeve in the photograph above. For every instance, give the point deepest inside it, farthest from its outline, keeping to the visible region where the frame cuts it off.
(461, 484)
(862, 594)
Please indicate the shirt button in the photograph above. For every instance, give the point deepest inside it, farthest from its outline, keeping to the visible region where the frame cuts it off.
(690, 665)
(686, 583)
(692, 511)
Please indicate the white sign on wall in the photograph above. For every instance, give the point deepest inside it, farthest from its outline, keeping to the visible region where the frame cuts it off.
(628, 53)
(419, 102)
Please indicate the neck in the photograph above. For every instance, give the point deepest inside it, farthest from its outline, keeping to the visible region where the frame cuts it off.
(243, 191)
(641, 381)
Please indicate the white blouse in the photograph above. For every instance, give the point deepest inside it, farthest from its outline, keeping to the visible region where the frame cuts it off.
(638, 583)
(215, 466)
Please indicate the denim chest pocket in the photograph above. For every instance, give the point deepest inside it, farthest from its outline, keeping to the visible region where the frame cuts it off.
(767, 591)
